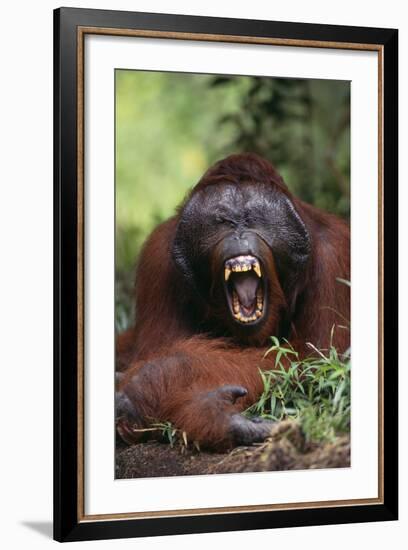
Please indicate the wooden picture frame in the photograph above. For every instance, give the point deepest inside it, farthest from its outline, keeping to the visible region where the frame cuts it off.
(71, 26)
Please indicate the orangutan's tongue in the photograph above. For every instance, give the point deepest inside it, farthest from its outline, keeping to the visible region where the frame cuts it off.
(245, 285)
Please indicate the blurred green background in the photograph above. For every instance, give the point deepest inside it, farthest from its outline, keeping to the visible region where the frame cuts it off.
(170, 127)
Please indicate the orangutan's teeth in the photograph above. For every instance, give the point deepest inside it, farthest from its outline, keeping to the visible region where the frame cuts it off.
(259, 299)
(227, 273)
(243, 319)
(242, 263)
(257, 269)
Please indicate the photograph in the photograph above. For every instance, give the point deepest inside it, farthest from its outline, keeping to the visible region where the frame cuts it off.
(232, 274)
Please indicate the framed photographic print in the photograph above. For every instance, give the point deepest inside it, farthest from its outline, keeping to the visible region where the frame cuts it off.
(225, 274)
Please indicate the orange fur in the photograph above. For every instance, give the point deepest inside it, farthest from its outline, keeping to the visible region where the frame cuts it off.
(177, 354)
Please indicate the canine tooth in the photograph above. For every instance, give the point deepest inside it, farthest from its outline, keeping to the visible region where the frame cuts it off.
(227, 273)
(258, 313)
(257, 269)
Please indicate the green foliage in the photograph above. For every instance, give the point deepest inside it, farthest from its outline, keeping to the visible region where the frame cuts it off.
(314, 390)
(167, 431)
(173, 436)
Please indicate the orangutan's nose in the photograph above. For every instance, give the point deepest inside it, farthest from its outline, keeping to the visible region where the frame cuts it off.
(241, 243)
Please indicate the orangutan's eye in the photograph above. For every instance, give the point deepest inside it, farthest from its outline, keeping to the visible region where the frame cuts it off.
(224, 220)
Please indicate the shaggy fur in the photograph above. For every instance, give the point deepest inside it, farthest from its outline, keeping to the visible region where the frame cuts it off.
(186, 360)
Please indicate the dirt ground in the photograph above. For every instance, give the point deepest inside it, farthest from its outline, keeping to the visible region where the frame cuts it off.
(286, 449)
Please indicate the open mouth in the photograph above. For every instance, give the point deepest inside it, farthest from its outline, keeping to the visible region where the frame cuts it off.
(245, 288)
